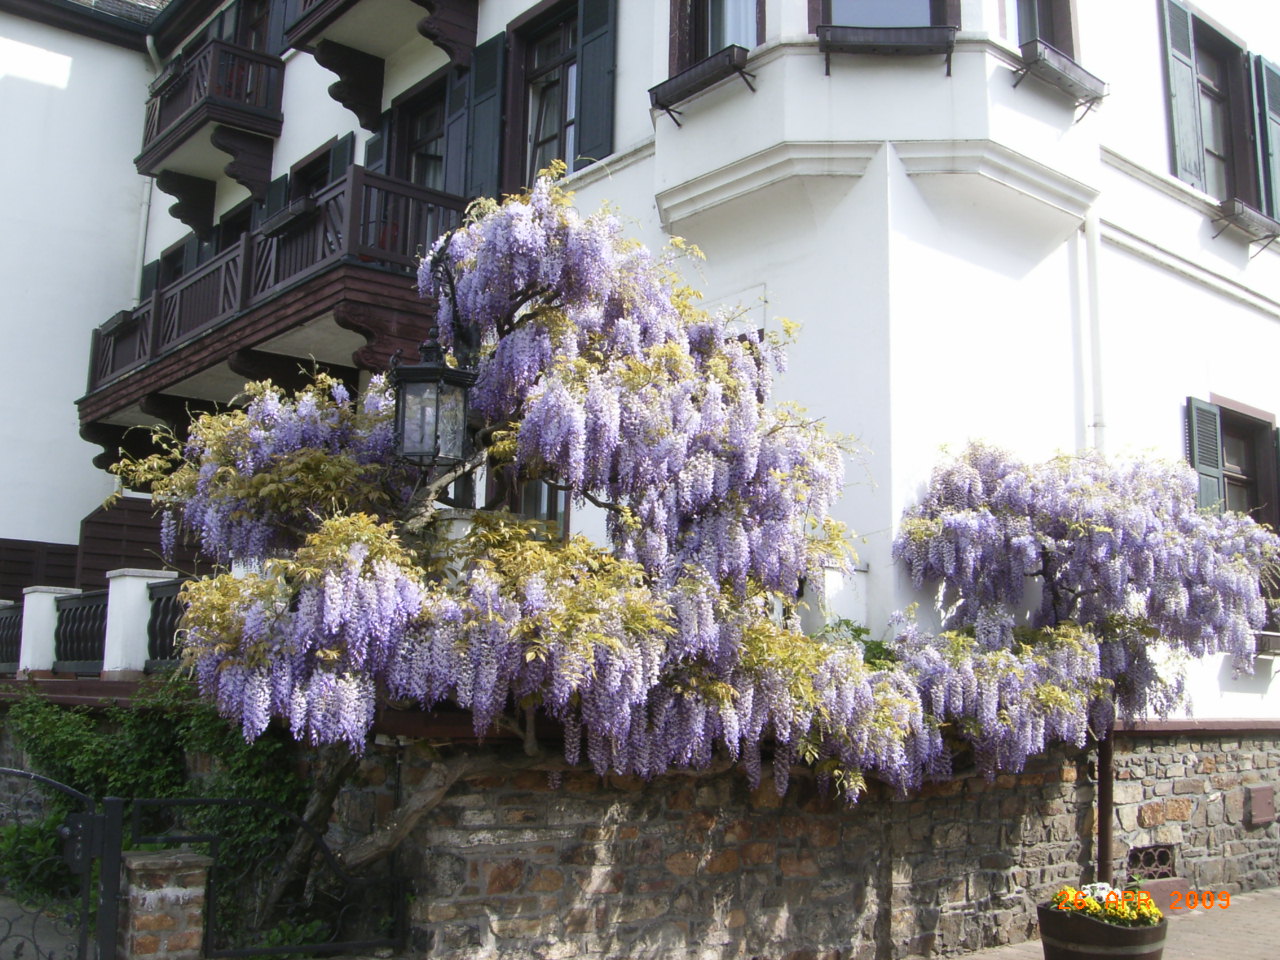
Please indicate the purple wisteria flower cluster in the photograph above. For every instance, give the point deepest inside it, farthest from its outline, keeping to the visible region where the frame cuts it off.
(1118, 548)
(599, 374)
(255, 480)
(622, 391)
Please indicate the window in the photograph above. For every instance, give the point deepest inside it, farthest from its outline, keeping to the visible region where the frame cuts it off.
(885, 13)
(700, 28)
(551, 81)
(878, 13)
(1213, 124)
(1233, 449)
(1047, 20)
(542, 90)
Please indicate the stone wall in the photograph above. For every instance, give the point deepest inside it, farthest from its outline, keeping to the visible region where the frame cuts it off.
(1202, 794)
(702, 867)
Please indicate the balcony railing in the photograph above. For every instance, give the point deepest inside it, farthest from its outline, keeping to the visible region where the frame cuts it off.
(234, 85)
(10, 636)
(362, 218)
(162, 625)
(312, 16)
(81, 634)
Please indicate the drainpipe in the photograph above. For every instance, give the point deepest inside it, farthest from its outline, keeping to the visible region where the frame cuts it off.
(1106, 780)
(1091, 259)
(1106, 743)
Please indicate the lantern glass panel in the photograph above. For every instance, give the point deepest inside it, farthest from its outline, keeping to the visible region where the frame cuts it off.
(452, 424)
(418, 406)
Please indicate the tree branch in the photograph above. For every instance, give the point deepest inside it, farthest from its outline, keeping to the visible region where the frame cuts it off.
(423, 506)
(589, 497)
(335, 766)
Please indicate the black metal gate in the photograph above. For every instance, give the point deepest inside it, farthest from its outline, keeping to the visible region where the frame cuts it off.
(59, 870)
(60, 859)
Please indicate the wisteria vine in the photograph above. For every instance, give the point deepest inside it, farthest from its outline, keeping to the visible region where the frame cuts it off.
(599, 374)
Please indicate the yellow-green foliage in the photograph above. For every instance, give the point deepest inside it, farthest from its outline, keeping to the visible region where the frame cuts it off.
(306, 481)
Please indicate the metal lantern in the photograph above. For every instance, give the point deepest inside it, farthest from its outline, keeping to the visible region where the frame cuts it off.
(431, 408)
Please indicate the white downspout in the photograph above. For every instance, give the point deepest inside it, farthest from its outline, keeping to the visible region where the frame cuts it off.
(1092, 249)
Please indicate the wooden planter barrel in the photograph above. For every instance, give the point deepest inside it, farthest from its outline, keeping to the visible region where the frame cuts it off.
(1069, 935)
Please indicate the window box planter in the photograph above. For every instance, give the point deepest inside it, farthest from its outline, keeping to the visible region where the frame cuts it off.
(1056, 68)
(1069, 935)
(282, 220)
(703, 74)
(1253, 222)
(1267, 643)
(887, 41)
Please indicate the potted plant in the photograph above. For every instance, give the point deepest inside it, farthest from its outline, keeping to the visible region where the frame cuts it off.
(1099, 921)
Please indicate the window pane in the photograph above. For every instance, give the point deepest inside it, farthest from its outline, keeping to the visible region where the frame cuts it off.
(731, 22)
(1237, 453)
(1239, 496)
(881, 13)
(1213, 123)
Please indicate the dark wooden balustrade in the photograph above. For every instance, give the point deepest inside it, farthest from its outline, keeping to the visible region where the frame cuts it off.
(10, 636)
(162, 625)
(81, 634)
(311, 17)
(233, 80)
(363, 218)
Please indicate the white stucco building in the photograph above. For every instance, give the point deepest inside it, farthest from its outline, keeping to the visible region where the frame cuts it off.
(1042, 223)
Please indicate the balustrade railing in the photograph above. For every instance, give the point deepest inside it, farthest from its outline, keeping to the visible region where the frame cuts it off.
(81, 634)
(220, 74)
(162, 625)
(362, 218)
(10, 637)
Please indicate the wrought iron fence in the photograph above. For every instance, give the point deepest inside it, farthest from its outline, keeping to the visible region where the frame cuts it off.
(51, 896)
(257, 903)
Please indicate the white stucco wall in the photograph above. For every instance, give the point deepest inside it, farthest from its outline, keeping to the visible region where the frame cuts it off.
(927, 231)
(72, 110)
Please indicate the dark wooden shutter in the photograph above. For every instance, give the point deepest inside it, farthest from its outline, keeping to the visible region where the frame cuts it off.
(375, 148)
(1184, 95)
(1204, 450)
(484, 129)
(275, 27)
(190, 254)
(455, 134)
(150, 278)
(340, 157)
(277, 196)
(597, 21)
(1266, 79)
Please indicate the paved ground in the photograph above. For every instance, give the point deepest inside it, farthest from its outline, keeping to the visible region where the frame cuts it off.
(1249, 929)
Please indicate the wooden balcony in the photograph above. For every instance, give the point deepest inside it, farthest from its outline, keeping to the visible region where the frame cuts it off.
(219, 83)
(365, 220)
(312, 18)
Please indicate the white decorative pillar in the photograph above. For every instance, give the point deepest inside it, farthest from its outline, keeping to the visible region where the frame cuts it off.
(124, 656)
(39, 621)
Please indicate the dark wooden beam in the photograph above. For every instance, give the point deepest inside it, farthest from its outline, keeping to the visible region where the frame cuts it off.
(177, 412)
(451, 26)
(386, 330)
(116, 441)
(359, 85)
(77, 18)
(250, 164)
(195, 200)
(288, 373)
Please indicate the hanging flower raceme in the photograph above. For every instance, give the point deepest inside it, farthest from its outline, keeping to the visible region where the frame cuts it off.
(1119, 549)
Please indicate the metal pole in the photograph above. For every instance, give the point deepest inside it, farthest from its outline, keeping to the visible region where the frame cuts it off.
(109, 877)
(1106, 813)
